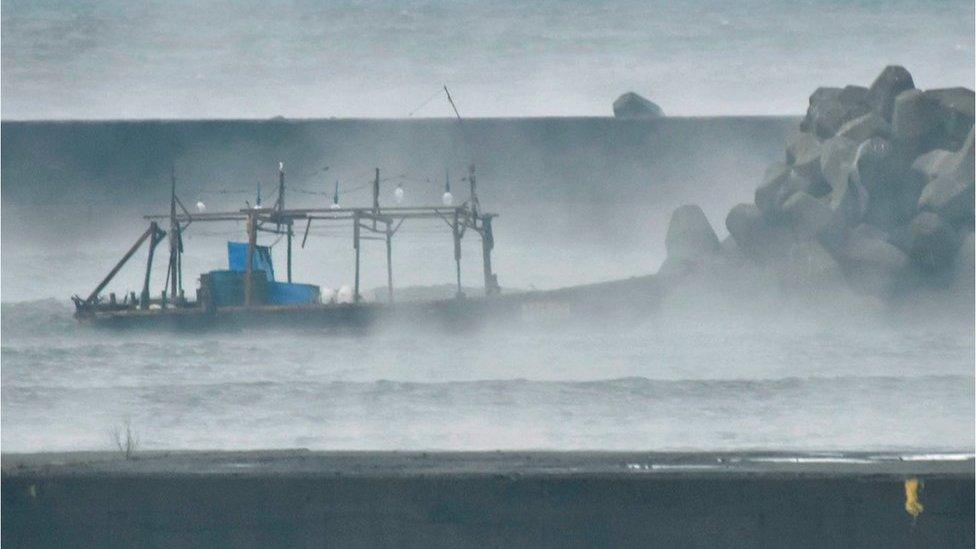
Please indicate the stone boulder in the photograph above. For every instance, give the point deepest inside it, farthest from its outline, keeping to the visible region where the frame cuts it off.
(953, 110)
(933, 243)
(849, 201)
(779, 183)
(872, 265)
(893, 80)
(831, 108)
(950, 193)
(803, 155)
(929, 165)
(690, 236)
(810, 267)
(865, 127)
(874, 164)
(753, 235)
(914, 127)
(880, 170)
(631, 105)
(964, 272)
(808, 216)
(837, 161)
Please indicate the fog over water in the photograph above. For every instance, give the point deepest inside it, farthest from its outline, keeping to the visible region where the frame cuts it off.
(117, 59)
(581, 199)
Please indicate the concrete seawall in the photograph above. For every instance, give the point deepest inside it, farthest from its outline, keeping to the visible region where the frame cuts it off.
(298, 499)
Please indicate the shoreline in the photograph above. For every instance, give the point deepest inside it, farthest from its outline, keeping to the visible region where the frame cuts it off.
(536, 462)
(507, 499)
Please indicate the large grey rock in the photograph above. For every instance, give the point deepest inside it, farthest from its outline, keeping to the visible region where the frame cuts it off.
(803, 154)
(950, 195)
(865, 127)
(870, 232)
(690, 236)
(914, 125)
(964, 273)
(953, 110)
(849, 201)
(631, 105)
(880, 170)
(779, 183)
(929, 165)
(836, 162)
(932, 242)
(893, 80)
(810, 267)
(923, 170)
(753, 235)
(808, 216)
(874, 163)
(831, 108)
(951, 192)
(872, 265)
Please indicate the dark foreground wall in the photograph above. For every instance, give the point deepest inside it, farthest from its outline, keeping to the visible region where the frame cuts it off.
(377, 505)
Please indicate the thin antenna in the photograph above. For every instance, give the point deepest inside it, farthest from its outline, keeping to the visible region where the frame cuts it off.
(464, 132)
(453, 106)
(425, 103)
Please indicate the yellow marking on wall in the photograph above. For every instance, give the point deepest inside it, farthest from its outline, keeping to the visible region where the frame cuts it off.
(912, 506)
(32, 491)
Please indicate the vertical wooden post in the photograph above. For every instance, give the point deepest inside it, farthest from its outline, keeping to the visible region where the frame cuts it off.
(289, 251)
(487, 244)
(252, 241)
(174, 239)
(355, 244)
(472, 184)
(179, 269)
(153, 240)
(376, 192)
(457, 251)
(389, 260)
(281, 208)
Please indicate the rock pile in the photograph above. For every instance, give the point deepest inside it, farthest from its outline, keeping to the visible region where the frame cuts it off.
(875, 189)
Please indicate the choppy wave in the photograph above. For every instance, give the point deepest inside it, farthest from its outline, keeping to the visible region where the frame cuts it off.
(67, 387)
(848, 413)
(36, 318)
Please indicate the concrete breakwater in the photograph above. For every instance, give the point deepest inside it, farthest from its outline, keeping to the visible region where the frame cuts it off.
(404, 499)
(875, 195)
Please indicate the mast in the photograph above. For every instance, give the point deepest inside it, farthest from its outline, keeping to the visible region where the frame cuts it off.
(174, 241)
(281, 206)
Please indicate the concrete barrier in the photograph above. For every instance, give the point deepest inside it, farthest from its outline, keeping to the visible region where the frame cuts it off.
(477, 500)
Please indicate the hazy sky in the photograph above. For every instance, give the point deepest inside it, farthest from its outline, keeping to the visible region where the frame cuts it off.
(117, 59)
